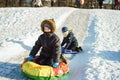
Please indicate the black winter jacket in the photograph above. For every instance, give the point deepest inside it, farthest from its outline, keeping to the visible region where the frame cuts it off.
(50, 46)
(70, 41)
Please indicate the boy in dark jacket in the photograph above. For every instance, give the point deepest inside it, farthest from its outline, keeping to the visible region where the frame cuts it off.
(69, 41)
(50, 45)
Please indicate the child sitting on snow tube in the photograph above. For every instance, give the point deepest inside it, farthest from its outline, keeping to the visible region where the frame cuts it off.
(50, 45)
(50, 62)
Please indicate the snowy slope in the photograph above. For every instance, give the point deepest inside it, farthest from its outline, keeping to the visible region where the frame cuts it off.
(98, 32)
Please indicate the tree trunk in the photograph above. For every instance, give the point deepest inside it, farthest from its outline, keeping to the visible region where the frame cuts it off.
(6, 3)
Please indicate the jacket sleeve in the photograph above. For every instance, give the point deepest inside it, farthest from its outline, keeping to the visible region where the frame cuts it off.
(63, 42)
(69, 41)
(36, 47)
(57, 50)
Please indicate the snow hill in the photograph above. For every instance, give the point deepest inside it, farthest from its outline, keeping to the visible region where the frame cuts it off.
(97, 30)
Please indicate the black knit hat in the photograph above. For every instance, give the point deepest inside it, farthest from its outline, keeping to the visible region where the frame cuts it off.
(64, 29)
(48, 26)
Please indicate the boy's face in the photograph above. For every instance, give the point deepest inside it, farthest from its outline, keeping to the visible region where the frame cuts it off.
(46, 29)
(65, 33)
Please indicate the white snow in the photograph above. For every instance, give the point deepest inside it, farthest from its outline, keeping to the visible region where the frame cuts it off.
(98, 32)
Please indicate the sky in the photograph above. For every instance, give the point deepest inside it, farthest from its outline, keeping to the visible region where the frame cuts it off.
(97, 30)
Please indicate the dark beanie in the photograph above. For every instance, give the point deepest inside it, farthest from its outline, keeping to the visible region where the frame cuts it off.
(48, 26)
(64, 29)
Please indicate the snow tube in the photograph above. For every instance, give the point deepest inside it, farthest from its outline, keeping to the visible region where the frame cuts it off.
(68, 51)
(42, 72)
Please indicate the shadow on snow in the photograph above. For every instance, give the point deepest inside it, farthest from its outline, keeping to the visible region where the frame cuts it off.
(91, 36)
(21, 43)
(110, 55)
(11, 71)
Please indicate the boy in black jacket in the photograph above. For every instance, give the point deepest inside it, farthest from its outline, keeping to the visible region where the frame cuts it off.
(69, 41)
(50, 45)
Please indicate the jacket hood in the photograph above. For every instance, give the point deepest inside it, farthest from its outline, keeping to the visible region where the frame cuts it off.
(70, 30)
(51, 22)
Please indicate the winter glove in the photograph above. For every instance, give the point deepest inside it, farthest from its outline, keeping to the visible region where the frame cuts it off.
(55, 64)
(30, 58)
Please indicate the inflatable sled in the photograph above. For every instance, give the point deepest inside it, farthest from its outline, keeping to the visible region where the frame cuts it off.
(70, 51)
(43, 72)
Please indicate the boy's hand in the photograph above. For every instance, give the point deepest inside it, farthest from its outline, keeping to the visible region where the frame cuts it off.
(30, 58)
(55, 64)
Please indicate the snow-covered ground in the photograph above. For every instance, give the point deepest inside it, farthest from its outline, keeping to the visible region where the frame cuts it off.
(98, 32)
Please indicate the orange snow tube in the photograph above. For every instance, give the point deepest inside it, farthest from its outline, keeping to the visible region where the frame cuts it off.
(42, 72)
